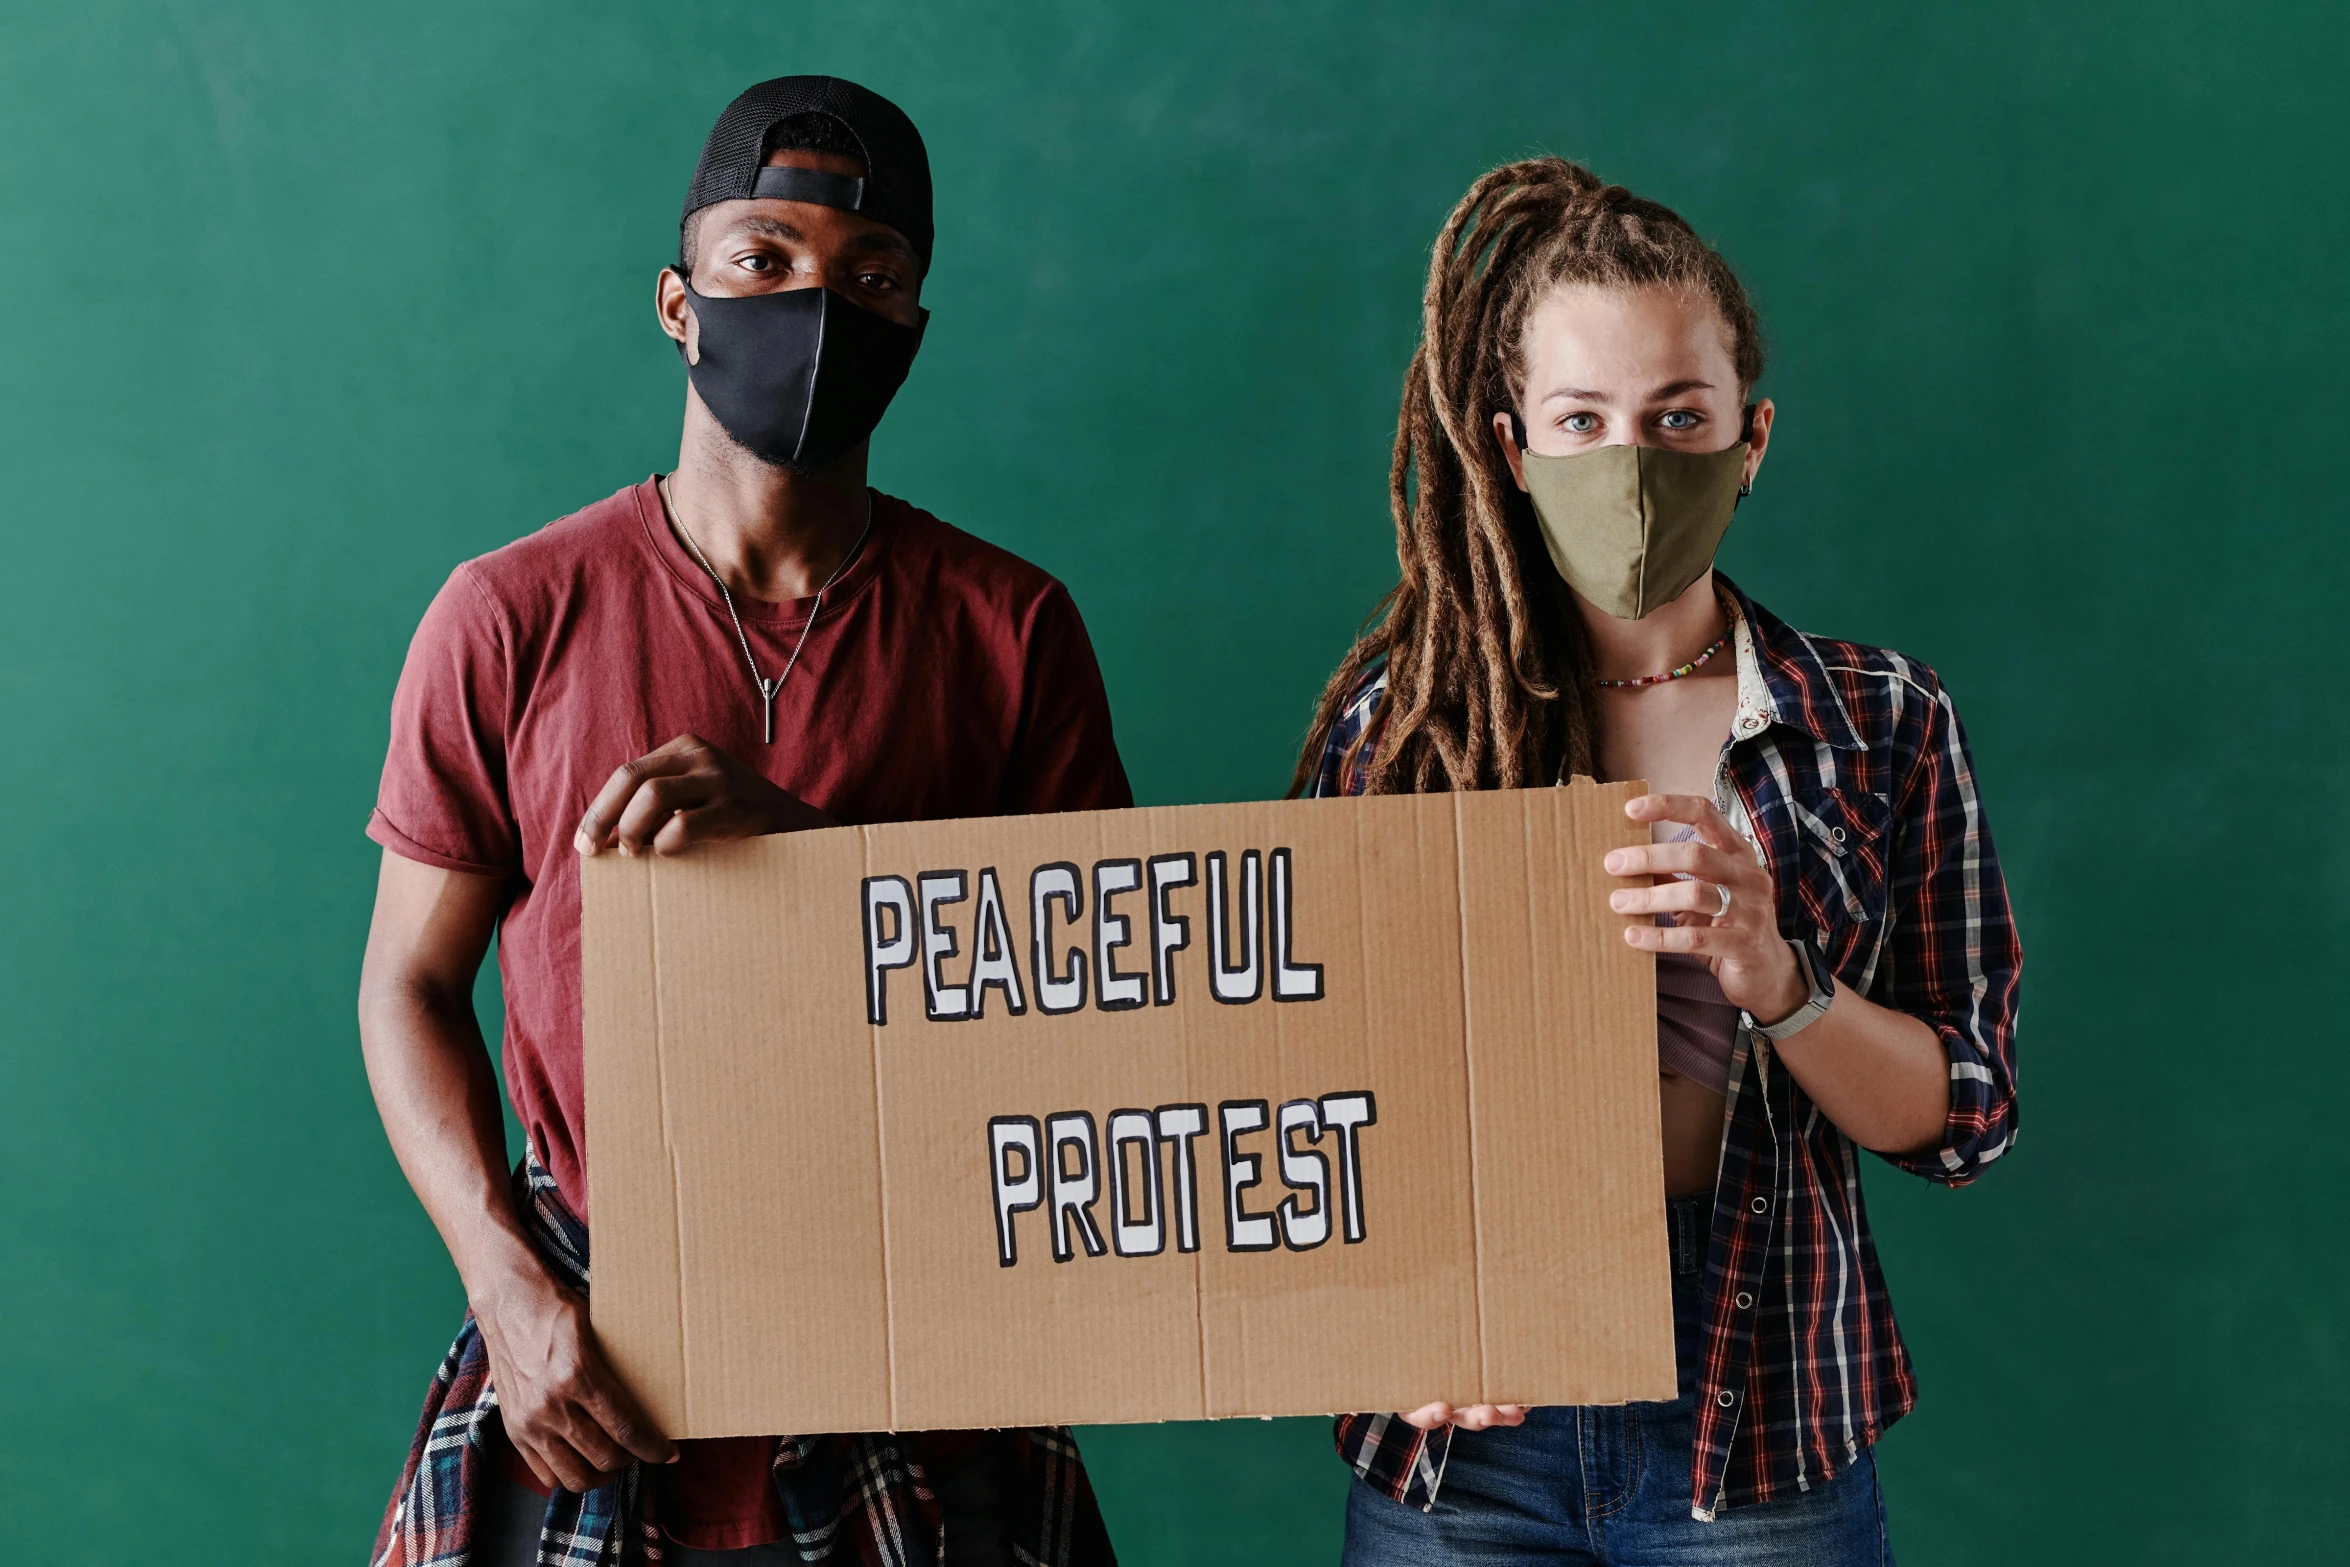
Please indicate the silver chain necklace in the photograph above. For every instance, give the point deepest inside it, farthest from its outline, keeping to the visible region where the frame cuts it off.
(767, 688)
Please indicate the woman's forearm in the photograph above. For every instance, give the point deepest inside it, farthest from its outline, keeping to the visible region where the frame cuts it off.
(1880, 1075)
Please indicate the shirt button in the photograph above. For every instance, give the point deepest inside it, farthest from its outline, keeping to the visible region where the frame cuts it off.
(1836, 833)
(1725, 1398)
(1760, 1205)
(1744, 1300)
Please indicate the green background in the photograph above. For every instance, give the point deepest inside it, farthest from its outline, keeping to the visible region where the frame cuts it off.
(307, 303)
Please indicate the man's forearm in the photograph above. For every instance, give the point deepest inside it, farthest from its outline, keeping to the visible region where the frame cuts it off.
(430, 1072)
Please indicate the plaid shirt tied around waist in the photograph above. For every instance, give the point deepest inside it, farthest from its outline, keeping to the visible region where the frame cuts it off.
(857, 1498)
(1848, 770)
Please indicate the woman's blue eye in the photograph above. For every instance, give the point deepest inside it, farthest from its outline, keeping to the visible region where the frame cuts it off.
(1679, 419)
(1581, 424)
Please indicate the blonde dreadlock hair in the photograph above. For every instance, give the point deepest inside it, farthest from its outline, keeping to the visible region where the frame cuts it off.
(1488, 671)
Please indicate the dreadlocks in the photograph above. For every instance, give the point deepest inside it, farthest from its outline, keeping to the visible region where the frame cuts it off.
(1488, 670)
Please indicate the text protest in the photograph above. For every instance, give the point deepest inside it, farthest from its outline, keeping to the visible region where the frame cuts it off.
(1065, 1169)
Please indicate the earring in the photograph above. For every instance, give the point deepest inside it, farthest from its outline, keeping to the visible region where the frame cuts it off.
(1746, 489)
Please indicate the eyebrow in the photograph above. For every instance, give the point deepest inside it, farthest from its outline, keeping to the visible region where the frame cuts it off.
(774, 227)
(873, 238)
(1669, 389)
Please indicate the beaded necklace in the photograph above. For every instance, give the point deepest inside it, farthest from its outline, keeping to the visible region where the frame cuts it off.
(1729, 628)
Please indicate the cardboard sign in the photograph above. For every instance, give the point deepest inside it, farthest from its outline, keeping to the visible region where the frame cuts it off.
(1263, 1109)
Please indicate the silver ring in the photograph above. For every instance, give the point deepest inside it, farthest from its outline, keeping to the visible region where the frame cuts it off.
(1725, 908)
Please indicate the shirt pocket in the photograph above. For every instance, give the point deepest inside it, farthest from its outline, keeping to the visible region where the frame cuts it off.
(1840, 874)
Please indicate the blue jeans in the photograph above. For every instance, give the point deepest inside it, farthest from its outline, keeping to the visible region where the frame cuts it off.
(1610, 1483)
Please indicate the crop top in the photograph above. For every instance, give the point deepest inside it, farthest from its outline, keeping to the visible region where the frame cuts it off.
(1696, 1025)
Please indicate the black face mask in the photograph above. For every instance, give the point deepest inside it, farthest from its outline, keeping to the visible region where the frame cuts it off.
(801, 376)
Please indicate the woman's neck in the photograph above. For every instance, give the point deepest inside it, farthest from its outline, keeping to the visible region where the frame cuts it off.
(1664, 639)
(770, 533)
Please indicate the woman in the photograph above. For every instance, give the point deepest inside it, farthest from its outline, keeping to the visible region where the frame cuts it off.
(1836, 967)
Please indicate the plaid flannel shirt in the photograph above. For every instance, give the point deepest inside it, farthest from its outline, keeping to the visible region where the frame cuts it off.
(1848, 770)
(863, 1495)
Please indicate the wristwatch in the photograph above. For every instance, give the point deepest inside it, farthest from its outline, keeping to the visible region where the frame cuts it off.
(1823, 991)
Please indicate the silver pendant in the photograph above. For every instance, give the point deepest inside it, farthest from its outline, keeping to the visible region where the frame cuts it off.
(767, 690)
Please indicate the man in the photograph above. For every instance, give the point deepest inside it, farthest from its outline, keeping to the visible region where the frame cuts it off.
(757, 642)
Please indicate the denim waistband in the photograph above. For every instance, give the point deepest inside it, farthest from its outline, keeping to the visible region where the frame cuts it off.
(1689, 1222)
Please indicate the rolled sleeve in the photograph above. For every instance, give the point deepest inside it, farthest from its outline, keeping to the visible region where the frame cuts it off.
(1394, 1458)
(443, 799)
(1952, 958)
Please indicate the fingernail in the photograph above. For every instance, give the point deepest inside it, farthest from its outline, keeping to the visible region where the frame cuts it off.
(1619, 901)
(1615, 861)
(579, 841)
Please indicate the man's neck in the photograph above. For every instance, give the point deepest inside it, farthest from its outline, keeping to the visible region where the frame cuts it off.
(770, 533)
(1666, 638)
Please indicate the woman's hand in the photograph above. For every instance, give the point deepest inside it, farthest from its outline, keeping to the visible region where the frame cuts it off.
(1476, 1417)
(685, 793)
(1751, 961)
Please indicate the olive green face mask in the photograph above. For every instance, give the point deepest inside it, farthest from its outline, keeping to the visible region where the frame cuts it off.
(1631, 527)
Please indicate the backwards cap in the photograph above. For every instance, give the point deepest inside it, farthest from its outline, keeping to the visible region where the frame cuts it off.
(896, 186)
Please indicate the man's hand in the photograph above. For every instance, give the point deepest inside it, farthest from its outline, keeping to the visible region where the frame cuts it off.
(688, 792)
(565, 1411)
(1751, 961)
(1472, 1417)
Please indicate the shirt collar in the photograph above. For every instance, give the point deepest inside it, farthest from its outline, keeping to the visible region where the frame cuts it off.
(1781, 679)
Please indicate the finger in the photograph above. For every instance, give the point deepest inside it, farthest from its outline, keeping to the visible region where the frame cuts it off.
(1429, 1416)
(1691, 897)
(1509, 1414)
(700, 824)
(1667, 807)
(584, 1429)
(1474, 1418)
(624, 1422)
(603, 812)
(1704, 940)
(538, 1466)
(569, 1468)
(655, 801)
(1685, 858)
(1694, 809)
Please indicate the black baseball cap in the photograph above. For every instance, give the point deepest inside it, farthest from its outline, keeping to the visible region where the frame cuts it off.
(896, 186)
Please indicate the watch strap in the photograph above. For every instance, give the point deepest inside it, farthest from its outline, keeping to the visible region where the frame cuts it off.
(1823, 992)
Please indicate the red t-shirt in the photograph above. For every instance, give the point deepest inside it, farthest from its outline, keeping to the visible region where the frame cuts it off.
(945, 678)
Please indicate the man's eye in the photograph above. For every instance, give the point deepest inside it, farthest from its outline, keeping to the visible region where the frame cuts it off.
(1580, 424)
(879, 282)
(757, 263)
(1679, 419)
